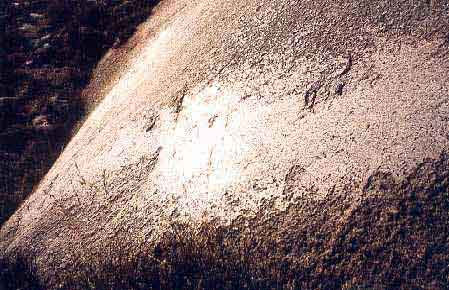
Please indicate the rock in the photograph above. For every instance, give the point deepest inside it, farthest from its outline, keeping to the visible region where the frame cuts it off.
(239, 185)
(27, 28)
(46, 37)
(42, 41)
(339, 89)
(117, 43)
(37, 16)
(29, 31)
(41, 123)
(39, 38)
(8, 99)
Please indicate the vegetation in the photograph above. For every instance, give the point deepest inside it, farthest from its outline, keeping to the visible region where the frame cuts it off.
(394, 238)
(389, 233)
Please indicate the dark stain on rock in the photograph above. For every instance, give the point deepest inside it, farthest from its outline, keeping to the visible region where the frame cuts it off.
(339, 89)
(151, 123)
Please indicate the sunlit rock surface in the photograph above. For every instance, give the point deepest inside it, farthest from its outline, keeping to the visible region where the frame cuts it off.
(233, 105)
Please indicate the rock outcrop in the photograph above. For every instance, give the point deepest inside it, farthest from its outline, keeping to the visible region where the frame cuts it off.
(48, 49)
(256, 144)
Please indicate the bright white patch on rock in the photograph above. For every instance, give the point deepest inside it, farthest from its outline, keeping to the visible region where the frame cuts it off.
(200, 154)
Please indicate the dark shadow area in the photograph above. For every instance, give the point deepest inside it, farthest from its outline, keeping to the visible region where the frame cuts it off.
(48, 49)
(393, 237)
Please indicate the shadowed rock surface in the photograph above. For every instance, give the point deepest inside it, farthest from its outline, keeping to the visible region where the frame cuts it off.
(48, 49)
(256, 144)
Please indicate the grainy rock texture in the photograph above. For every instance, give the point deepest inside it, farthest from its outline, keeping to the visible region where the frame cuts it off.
(256, 144)
(48, 49)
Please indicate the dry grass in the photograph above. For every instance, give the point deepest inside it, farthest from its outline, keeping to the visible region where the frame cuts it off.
(395, 238)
